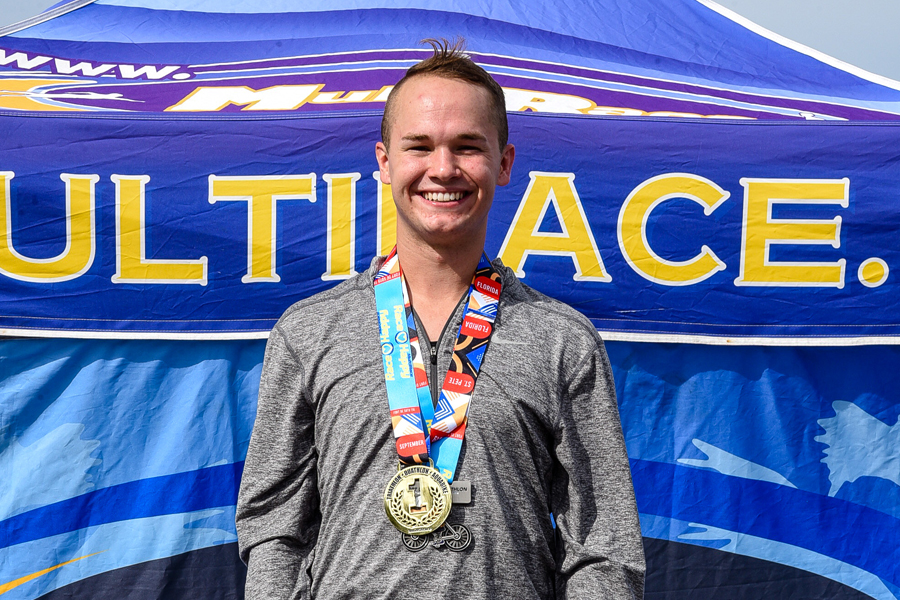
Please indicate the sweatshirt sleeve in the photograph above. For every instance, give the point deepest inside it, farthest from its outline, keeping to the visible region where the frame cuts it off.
(278, 514)
(600, 552)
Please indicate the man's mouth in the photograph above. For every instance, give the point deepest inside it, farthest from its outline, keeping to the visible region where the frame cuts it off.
(443, 196)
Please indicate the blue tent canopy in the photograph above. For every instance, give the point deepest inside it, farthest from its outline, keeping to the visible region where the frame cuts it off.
(717, 200)
(681, 52)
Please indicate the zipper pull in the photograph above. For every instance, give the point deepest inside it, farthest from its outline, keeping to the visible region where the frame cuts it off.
(434, 354)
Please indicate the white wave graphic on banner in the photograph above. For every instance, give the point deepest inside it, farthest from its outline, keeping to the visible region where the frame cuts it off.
(859, 445)
(37, 475)
(730, 464)
(102, 548)
(786, 554)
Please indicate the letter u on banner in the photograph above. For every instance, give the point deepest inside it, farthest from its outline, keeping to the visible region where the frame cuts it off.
(78, 254)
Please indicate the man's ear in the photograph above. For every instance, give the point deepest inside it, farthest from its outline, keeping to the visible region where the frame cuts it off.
(381, 155)
(506, 162)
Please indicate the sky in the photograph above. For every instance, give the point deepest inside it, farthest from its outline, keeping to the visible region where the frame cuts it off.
(860, 32)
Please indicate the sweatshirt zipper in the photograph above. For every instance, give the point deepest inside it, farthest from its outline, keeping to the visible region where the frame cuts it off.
(432, 377)
(433, 386)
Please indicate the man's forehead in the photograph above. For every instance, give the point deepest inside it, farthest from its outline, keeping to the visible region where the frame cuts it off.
(427, 100)
(423, 91)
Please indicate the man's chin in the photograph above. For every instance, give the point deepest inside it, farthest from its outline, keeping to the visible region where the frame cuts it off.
(448, 235)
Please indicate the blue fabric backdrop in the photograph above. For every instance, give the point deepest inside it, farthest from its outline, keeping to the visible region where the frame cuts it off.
(719, 205)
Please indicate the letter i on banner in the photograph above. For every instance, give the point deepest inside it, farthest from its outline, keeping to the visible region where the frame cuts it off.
(387, 217)
(341, 245)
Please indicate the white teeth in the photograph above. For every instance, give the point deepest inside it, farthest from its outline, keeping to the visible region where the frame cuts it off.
(443, 196)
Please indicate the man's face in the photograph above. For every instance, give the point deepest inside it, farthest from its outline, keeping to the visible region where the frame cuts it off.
(444, 162)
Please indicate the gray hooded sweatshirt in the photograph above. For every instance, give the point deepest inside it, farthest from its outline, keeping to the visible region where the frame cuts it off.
(543, 438)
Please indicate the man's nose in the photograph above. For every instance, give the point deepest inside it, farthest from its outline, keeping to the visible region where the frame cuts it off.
(444, 164)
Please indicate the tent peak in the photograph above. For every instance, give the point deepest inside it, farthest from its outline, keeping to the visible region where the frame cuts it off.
(53, 12)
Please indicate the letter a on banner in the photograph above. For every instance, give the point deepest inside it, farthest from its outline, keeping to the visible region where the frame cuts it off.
(576, 240)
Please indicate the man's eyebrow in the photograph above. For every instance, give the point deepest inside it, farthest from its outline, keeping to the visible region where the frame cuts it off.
(421, 137)
(478, 137)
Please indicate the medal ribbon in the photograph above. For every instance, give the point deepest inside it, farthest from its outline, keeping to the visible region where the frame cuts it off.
(420, 429)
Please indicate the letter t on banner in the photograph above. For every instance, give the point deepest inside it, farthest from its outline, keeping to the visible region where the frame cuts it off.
(261, 193)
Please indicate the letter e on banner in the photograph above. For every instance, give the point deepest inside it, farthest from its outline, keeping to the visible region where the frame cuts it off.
(762, 231)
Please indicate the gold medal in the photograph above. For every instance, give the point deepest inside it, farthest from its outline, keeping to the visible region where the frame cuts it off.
(417, 499)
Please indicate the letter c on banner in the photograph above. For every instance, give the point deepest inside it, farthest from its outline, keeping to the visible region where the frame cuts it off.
(632, 228)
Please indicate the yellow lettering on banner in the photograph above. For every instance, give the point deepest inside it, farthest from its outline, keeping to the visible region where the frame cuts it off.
(343, 97)
(632, 228)
(261, 193)
(340, 250)
(761, 231)
(522, 100)
(382, 94)
(387, 217)
(518, 100)
(276, 97)
(576, 239)
(78, 254)
(616, 111)
(132, 264)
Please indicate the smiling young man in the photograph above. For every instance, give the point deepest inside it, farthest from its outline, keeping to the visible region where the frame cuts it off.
(432, 427)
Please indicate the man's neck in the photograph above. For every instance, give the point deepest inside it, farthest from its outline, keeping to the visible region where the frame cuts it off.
(437, 278)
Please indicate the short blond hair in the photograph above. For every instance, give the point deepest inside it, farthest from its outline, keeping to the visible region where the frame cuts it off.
(450, 61)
